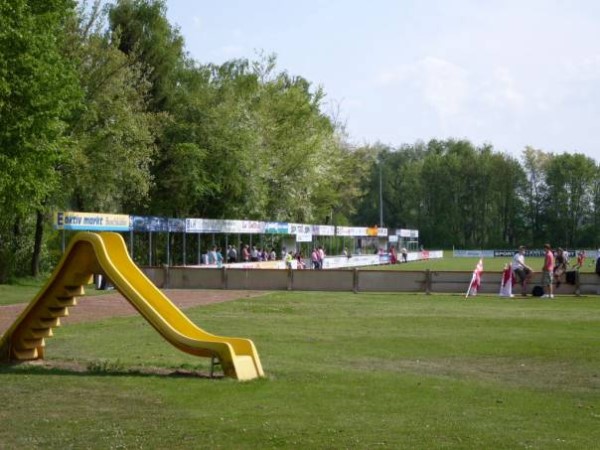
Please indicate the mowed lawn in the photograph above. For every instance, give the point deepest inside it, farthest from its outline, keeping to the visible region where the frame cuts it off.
(343, 371)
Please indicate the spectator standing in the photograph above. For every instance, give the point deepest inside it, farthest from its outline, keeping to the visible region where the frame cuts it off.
(299, 260)
(314, 258)
(321, 252)
(404, 254)
(231, 254)
(580, 259)
(245, 253)
(548, 272)
(393, 256)
(212, 255)
(219, 257)
(288, 260)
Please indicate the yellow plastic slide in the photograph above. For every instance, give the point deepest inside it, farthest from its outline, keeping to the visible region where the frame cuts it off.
(106, 253)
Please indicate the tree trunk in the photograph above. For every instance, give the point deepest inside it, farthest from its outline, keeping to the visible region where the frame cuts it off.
(37, 244)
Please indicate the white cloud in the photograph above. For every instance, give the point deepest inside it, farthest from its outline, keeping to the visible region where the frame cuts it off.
(584, 70)
(501, 91)
(444, 86)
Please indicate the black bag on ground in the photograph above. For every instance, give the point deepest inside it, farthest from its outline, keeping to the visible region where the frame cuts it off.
(537, 291)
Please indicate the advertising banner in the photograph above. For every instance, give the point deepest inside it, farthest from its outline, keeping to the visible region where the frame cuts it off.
(323, 230)
(304, 237)
(150, 224)
(474, 253)
(351, 231)
(404, 233)
(295, 228)
(70, 220)
(276, 228)
(224, 226)
(176, 225)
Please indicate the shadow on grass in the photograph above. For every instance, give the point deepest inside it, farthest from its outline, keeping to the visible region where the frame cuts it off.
(100, 369)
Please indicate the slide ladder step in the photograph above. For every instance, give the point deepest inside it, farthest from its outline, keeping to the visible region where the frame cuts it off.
(37, 333)
(74, 290)
(45, 322)
(63, 301)
(25, 354)
(58, 311)
(28, 344)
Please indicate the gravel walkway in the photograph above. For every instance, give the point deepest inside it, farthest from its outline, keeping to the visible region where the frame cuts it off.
(91, 308)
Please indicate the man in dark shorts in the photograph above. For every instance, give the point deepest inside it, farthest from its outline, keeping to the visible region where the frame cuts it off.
(521, 270)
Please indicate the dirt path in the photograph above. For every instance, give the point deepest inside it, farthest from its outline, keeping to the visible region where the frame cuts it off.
(91, 308)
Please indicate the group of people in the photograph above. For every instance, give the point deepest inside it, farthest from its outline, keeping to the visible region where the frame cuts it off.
(553, 269)
(317, 257)
(394, 255)
(250, 254)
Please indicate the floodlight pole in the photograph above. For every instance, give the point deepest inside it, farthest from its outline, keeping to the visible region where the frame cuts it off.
(380, 196)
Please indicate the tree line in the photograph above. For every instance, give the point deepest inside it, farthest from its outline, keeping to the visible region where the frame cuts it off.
(102, 109)
(461, 195)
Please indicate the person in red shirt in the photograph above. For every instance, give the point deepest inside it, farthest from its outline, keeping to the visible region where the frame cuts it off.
(580, 259)
(547, 271)
(246, 253)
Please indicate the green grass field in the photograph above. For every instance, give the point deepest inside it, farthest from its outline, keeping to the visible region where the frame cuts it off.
(25, 289)
(343, 371)
(22, 290)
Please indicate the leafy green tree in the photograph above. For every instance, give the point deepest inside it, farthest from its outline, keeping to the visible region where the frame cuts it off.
(296, 146)
(112, 135)
(589, 231)
(507, 187)
(570, 179)
(535, 163)
(211, 114)
(453, 192)
(38, 90)
(144, 32)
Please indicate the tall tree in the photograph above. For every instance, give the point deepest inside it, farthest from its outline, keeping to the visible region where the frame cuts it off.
(570, 179)
(144, 31)
(535, 163)
(112, 135)
(38, 89)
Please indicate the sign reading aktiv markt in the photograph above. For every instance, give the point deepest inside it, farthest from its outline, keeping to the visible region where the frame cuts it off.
(68, 220)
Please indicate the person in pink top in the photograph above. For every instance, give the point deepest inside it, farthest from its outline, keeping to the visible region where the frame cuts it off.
(547, 271)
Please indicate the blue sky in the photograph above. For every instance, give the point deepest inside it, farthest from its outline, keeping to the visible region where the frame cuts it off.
(509, 73)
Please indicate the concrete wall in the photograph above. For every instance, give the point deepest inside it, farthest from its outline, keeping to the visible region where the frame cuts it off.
(351, 280)
(389, 281)
(323, 280)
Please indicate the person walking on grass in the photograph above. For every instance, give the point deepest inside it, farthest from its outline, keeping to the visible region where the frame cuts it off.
(548, 272)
